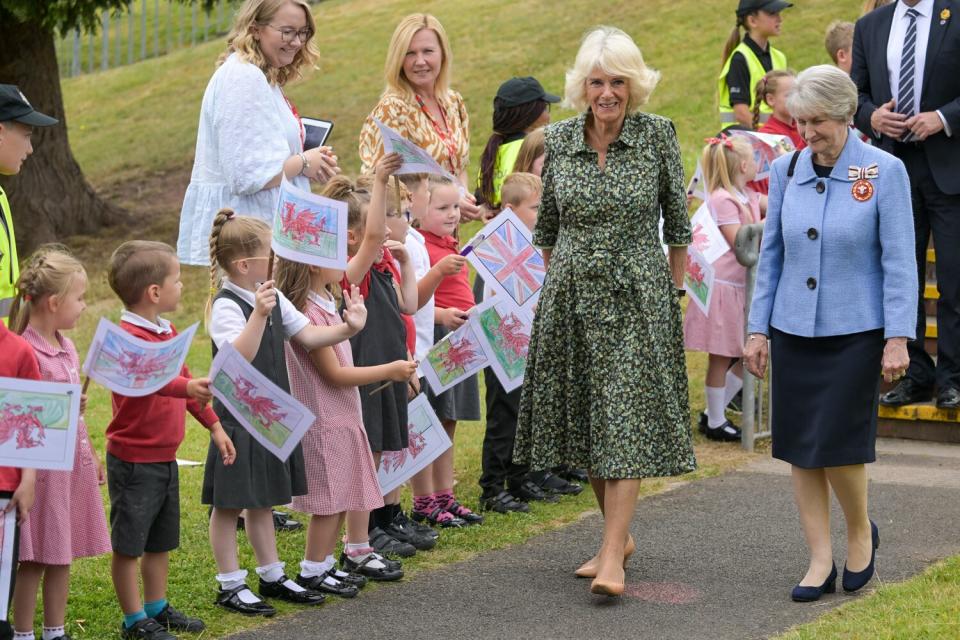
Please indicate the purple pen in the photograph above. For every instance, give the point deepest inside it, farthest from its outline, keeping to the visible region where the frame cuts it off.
(477, 239)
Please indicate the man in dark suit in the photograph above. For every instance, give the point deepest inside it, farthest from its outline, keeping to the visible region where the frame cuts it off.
(906, 64)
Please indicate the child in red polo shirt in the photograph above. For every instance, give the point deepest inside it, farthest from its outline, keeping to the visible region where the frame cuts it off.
(142, 441)
(453, 299)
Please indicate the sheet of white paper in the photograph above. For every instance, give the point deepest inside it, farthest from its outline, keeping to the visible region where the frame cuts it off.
(707, 238)
(38, 423)
(427, 440)
(272, 416)
(415, 159)
(504, 333)
(767, 147)
(698, 280)
(697, 186)
(188, 463)
(454, 359)
(133, 367)
(309, 229)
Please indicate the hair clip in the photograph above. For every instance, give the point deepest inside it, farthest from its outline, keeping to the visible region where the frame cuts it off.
(724, 139)
(27, 297)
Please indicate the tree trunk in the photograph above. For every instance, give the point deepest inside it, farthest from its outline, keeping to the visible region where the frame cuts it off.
(50, 199)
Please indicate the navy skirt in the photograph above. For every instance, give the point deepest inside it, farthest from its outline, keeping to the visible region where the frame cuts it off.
(825, 395)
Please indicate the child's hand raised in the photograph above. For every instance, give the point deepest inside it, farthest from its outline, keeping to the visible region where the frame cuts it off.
(398, 250)
(266, 299)
(199, 390)
(224, 444)
(387, 166)
(402, 370)
(355, 312)
(451, 265)
(452, 318)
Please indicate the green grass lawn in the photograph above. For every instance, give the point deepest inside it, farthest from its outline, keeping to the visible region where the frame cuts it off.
(133, 130)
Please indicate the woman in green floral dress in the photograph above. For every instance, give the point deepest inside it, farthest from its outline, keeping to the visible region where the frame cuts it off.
(606, 383)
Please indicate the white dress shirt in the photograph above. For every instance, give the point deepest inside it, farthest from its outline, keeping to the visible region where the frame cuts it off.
(161, 327)
(423, 318)
(227, 320)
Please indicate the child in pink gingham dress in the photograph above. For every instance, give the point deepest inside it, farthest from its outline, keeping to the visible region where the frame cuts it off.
(67, 520)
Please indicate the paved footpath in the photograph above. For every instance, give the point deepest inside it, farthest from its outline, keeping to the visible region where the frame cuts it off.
(716, 559)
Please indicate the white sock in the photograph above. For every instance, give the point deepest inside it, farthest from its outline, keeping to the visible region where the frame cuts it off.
(232, 580)
(310, 569)
(353, 548)
(271, 572)
(715, 407)
(49, 633)
(734, 384)
(330, 562)
(24, 635)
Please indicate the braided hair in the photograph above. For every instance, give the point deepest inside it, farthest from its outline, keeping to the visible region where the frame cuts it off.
(50, 271)
(232, 237)
(765, 85)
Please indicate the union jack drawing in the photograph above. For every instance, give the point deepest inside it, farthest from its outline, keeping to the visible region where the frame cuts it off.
(513, 261)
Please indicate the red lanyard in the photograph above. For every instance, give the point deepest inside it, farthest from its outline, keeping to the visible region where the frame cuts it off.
(296, 114)
(447, 142)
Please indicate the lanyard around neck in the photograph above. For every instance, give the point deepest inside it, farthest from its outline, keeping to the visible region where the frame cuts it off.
(446, 139)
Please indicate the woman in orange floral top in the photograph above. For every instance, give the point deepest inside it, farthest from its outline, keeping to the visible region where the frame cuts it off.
(419, 104)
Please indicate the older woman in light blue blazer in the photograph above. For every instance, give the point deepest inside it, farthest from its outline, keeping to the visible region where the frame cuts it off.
(837, 297)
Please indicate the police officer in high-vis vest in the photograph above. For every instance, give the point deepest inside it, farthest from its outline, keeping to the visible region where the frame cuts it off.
(747, 61)
(17, 120)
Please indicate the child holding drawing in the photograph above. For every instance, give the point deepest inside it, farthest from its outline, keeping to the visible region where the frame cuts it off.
(453, 299)
(250, 315)
(142, 441)
(67, 520)
(772, 91)
(728, 165)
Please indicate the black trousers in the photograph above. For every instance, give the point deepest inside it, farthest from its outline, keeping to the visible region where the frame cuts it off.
(499, 469)
(939, 213)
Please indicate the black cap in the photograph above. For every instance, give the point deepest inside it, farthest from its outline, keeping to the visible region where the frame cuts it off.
(517, 91)
(770, 6)
(15, 106)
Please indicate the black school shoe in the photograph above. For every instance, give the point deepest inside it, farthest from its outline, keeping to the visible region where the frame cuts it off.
(726, 432)
(229, 599)
(423, 529)
(573, 474)
(174, 620)
(401, 528)
(280, 591)
(333, 586)
(361, 566)
(503, 502)
(146, 629)
(553, 482)
(530, 491)
(439, 518)
(385, 544)
(349, 578)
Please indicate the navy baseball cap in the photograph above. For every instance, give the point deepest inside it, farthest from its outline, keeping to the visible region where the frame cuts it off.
(770, 6)
(517, 91)
(15, 106)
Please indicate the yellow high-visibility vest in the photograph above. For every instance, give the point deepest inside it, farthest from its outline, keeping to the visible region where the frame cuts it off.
(502, 167)
(755, 67)
(9, 266)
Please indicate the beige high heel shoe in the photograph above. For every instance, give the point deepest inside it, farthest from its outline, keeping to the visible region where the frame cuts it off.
(589, 568)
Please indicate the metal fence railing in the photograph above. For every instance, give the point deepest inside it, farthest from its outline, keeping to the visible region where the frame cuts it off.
(756, 393)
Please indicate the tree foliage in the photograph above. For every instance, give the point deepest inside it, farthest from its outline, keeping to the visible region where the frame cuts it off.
(62, 16)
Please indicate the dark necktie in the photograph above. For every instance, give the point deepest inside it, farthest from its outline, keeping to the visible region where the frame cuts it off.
(908, 69)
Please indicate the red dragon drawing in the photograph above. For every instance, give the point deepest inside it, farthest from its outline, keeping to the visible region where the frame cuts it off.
(301, 225)
(512, 335)
(140, 366)
(263, 410)
(694, 271)
(394, 460)
(459, 355)
(701, 240)
(22, 423)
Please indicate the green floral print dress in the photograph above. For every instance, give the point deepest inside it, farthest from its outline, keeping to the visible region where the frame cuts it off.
(606, 382)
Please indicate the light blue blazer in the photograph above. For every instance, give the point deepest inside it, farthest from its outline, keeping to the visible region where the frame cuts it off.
(830, 264)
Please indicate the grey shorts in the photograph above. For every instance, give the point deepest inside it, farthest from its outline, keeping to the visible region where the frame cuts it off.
(144, 506)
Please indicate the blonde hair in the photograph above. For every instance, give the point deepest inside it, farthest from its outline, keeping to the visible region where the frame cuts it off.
(397, 82)
(232, 237)
(615, 53)
(519, 186)
(293, 280)
(534, 145)
(823, 90)
(437, 181)
(50, 271)
(259, 13)
(357, 198)
(839, 36)
(137, 264)
(767, 84)
(720, 162)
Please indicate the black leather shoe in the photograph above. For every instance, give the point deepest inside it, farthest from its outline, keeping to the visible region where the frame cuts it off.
(575, 475)
(423, 529)
(503, 502)
(350, 578)
(726, 432)
(401, 528)
(228, 599)
(465, 514)
(439, 518)
(172, 619)
(382, 542)
(906, 392)
(553, 482)
(812, 594)
(328, 583)
(361, 565)
(530, 490)
(281, 591)
(702, 426)
(146, 629)
(949, 398)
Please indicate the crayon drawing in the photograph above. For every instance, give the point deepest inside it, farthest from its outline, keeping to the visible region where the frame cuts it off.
(507, 260)
(415, 159)
(38, 424)
(8, 524)
(272, 416)
(133, 367)
(698, 280)
(456, 357)
(427, 440)
(310, 229)
(504, 333)
(707, 238)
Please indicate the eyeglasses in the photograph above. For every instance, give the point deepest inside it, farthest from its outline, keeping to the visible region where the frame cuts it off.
(287, 34)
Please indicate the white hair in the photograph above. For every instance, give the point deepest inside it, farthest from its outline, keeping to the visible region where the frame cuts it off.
(823, 90)
(615, 53)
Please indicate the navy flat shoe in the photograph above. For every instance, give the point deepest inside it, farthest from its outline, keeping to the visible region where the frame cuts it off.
(853, 581)
(812, 594)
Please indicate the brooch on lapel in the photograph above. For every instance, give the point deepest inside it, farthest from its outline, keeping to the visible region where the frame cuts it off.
(862, 189)
(944, 16)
